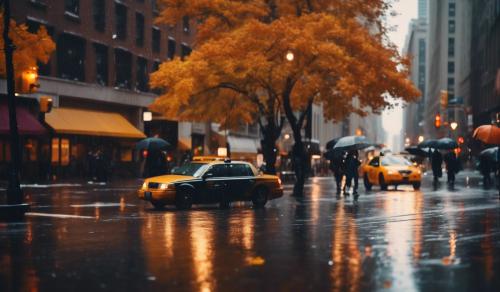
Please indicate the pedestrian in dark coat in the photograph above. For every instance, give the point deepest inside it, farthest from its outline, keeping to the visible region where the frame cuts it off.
(452, 168)
(337, 167)
(436, 161)
(352, 171)
(485, 169)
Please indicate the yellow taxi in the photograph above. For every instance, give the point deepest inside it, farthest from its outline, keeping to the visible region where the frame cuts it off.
(210, 180)
(390, 170)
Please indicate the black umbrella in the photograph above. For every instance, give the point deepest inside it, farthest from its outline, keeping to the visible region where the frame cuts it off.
(490, 154)
(330, 144)
(431, 143)
(446, 144)
(152, 144)
(414, 150)
(352, 143)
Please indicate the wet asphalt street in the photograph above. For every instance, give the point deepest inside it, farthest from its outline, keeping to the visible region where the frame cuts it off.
(81, 237)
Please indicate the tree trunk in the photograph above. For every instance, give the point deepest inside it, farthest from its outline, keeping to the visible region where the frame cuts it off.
(299, 162)
(271, 132)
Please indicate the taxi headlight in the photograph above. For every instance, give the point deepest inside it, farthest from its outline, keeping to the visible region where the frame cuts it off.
(419, 171)
(390, 172)
(144, 185)
(279, 181)
(164, 186)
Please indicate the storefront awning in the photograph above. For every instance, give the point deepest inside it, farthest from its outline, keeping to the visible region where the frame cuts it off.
(91, 123)
(27, 124)
(243, 144)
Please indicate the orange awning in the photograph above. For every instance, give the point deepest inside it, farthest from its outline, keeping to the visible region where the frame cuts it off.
(91, 123)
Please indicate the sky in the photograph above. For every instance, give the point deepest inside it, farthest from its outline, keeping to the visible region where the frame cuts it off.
(406, 10)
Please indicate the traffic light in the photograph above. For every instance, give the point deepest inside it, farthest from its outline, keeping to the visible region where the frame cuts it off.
(28, 81)
(460, 140)
(45, 104)
(444, 98)
(437, 121)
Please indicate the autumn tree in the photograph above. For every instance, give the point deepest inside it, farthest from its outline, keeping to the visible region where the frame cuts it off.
(340, 53)
(30, 48)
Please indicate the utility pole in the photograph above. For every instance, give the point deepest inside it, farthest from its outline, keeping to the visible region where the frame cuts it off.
(15, 209)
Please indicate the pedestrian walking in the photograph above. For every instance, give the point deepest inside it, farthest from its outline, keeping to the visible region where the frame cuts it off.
(436, 162)
(352, 172)
(452, 167)
(485, 168)
(337, 167)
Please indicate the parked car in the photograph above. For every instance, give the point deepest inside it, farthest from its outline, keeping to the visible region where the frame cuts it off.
(211, 181)
(390, 170)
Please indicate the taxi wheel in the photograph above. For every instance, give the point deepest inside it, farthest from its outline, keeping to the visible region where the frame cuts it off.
(381, 181)
(366, 181)
(416, 186)
(259, 198)
(184, 199)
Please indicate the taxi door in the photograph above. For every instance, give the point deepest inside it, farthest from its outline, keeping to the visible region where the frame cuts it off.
(372, 170)
(241, 181)
(215, 183)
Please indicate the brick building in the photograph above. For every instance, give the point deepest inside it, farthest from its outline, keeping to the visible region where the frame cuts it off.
(97, 79)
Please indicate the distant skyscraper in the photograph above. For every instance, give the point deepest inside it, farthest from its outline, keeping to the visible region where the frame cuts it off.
(422, 9)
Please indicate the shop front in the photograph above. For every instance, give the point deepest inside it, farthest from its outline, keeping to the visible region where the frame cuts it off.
(32, 136)
(82, 142)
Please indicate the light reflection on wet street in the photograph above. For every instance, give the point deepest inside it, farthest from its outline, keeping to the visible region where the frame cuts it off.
(87, 238)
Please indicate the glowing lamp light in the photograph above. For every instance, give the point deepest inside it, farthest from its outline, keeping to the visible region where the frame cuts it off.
(147, 116)
(453, 125)
(222, 151)
(421, 139)
(290, 56)
(460, 140)
(287, 136)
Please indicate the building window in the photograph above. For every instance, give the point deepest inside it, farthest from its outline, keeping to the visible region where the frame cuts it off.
(139, 29)
(185, 24)
(123, 68)
(451, 82)
(156, 66)
(156, 37)
(185, 51)
(451, 26)
(121, 21)
(171, 48)
(99, 14)
(101, 61)
(142, 74)
(72, 7)
(451, 9)
(71, 57)
(154, 7)
(451, 67)
(451, 47)
(33, 27)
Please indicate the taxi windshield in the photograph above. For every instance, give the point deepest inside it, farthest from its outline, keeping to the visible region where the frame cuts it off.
(394, 160)
(191, 169)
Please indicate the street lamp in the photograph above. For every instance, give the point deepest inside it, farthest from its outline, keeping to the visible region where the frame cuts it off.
(15, 208)
(290, 56)
(453, 125)
(421, 139)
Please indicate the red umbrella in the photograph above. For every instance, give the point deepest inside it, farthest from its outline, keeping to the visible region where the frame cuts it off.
(488, 134)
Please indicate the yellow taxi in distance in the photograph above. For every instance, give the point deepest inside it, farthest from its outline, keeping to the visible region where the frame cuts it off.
(211, 181)
(390, 170)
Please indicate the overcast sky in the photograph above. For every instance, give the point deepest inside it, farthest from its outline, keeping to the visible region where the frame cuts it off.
(406, 10)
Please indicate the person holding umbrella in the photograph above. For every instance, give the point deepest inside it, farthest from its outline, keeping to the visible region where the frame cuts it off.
(452, 167)
(490, 134)
(155, 163)
(436, 162)
(352, 172)
(337, 165)
(352, 144)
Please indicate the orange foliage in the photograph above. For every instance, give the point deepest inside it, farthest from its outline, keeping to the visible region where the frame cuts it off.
(29, 47)
(238, 65)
